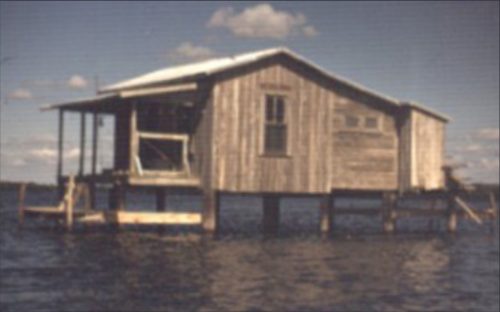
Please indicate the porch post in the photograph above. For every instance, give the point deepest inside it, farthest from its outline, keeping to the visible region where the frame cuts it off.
(82, 144)
(134, 140)
(95, 133)
(60, 146)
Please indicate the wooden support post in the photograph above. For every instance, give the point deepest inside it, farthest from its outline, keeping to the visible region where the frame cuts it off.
(87, 201)
(134, 140)
(160, 199)
(95, 134)
(68, 203)
(326, 214)
(494, 208)
(22, 196)
(60, 147)
(388, 211)
(271, 213)
(92, 195)
(451, 212)
(211, 211)
(81, 170)
(116, 200)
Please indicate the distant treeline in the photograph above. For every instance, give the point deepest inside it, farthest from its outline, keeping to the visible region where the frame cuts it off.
(9, 185)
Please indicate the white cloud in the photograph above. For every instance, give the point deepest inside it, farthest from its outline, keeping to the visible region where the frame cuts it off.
(50, 154)
(20, 94)
(187, 51)
(77, 82)
(489, 163)
(488, 134)
(261, 21)
(309, 31)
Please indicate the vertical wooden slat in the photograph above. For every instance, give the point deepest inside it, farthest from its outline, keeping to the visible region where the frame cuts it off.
(82, 144)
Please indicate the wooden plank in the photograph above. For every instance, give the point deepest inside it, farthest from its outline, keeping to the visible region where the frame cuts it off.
(468, 209)
(159, 90)
(164, 181)
(163, 136)
(134, 217)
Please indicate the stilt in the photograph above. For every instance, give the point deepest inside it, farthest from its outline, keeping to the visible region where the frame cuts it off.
(388, 213)
(92, 195)
(160, 199)
(68, 203)
(211, 211)
(60, 147)
(117, 197)
(451, 212)
(326, 214)
(271, 213)
(22, 195)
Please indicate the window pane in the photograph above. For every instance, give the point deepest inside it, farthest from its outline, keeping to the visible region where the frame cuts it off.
(280, 109)
(269, 108)
(275, 140)
(351, 121)
(371, 123)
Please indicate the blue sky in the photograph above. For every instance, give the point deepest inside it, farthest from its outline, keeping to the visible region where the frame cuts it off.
(444, 55)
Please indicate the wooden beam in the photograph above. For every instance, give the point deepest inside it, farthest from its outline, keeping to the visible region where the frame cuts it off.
(82, 144)
(95, 134)
(468, 210)
(159, 90)
(134, 217)
(163, 136)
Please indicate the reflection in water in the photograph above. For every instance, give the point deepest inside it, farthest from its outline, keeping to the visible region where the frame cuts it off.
(177, 270)
(426, 265)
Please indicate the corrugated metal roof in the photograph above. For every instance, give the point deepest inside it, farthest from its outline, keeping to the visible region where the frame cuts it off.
(80, 102)
(209, 67)
(221, 64)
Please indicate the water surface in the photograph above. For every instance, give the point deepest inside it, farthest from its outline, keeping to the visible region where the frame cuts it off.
(356, 269)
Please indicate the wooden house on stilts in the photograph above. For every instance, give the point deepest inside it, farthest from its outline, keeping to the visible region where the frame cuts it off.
(269, 123)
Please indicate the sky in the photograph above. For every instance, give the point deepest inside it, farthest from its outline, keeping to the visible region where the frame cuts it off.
(444, 55)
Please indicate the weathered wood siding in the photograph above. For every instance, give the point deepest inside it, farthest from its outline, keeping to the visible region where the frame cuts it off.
(364, 158)
(321, 155)
(423, 152)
